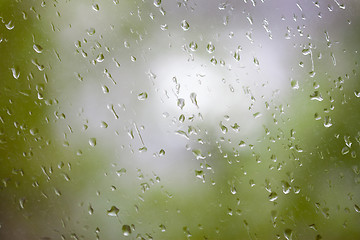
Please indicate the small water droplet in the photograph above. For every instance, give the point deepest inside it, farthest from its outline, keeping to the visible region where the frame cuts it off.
(126, 230)
(133, 58)
(92, 142)
(306, 51)
(15, 72)
(285, 187)
(288, 234)
(143, 96)
(95, 7)
(162, 152)
(37, 48)
(185, 25)
(121, 172)
(90, 31)
(316, 96)
(181, 103)
(162, 228)
(294, 84)
(193, 99)
(103, 124)
(357, 208)
(273, 196)
(105, 89)
(100, 58)
(345, 150)
(10, 25)
(327, 122)
(193, 46)
(113, 211)
(210, 47)
(34, 131)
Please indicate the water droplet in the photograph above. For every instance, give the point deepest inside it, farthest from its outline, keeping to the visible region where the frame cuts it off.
(90, 31)
(273, 196)
(162, 152)
(357, 208)
(288, 234)
(193, 99)
(157, 3)
(37, 48)
(100, 58)
(357, 94)
(285, 187)
(92, 142)
(316, 96)
(15, 72)
(105, 89)
(294, 84)
(133, 58)
(113, 211)
(162, 228)
(210, 47)
(185, 25)
(306, 51)
(95, 7)
(126, 230)
(327, 122)
(143, 149)
(193, 46)
(181, 103)
(34, 131)
(345, 150)
(103, 124)
(10, 25)
(143, 96)
(121, 172)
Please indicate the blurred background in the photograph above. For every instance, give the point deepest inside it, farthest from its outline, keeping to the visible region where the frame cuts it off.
(186, 119)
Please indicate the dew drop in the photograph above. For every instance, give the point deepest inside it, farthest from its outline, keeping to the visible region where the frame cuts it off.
(181, 103)
(273, 196)
(185, 25)
(15, 72)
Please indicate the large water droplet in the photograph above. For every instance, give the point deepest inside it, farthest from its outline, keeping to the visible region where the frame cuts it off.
(273, 196)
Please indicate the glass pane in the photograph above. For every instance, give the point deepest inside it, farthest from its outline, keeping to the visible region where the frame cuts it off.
(179, 119)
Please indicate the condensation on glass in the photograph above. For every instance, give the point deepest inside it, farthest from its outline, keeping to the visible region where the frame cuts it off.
(179, 119)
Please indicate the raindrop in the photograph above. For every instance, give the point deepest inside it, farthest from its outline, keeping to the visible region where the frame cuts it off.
(37, 48)
(92, 142)
(285, 187)
(103, 124)
(185, 25)
(143, 96)
(162, 152)
(316, 96)
(100, 58)
(121, 172)
(327, 122)
(15, 72)
(34, 131)
(193, 99)
(126, 230)
(133, 59)
(294, 84)
(288, 234)
(113, 211)
(273, 196)
(357, 208)
(345, 150)
(210, 47)
(162, 228)
(105, 89)
(10, 25)
(193, 46)
(181, 103)
(95, 7)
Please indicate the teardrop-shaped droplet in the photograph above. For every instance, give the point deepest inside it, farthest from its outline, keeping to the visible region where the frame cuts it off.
(185, 25)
